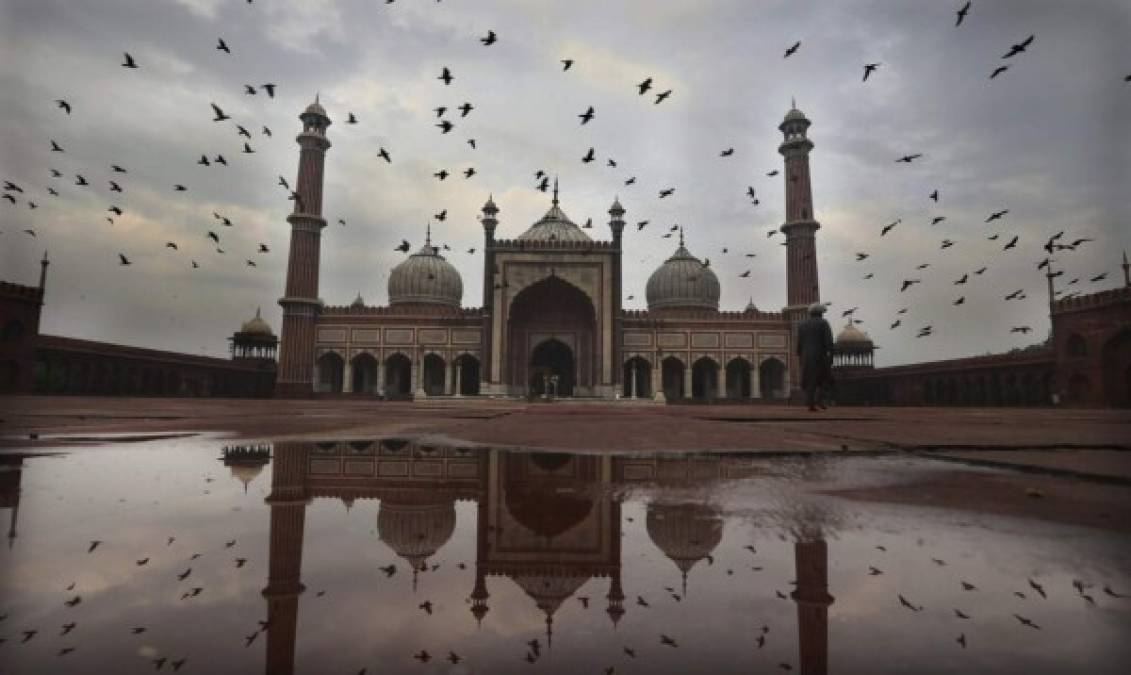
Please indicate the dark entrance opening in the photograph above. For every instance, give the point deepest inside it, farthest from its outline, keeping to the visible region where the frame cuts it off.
(552, 358)
(398, 376)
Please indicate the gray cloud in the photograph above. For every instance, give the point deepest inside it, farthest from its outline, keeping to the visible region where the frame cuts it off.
(1047, 140)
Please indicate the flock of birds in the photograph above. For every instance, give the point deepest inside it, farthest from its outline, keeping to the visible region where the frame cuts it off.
(446, 122)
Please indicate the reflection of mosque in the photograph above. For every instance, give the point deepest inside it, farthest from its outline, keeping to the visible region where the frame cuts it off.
(549, 522)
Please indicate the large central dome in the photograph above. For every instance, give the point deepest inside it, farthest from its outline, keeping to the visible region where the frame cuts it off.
(683, 282)
(425, 278)
(554, 226)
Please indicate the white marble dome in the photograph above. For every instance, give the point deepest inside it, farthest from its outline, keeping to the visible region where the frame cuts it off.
(425, 277)
(683, 282)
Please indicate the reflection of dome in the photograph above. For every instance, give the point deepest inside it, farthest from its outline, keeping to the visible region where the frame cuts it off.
(686, 533)
(550, 591)
(851, 336)
(416, 531)
(545, 512)
(554, 226)
(256, 325)
(683, 281)
(245, 473)
(427, 278)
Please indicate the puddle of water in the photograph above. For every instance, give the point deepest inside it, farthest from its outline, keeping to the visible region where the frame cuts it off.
(367, 554)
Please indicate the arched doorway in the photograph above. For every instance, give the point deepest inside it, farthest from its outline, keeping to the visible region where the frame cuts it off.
(398, 376)
(364, 368)
(1116, 366)
(467, 375)
(705, 379)
(552, 309)
(551, 358)
(738, 378)
(637, 378)
(432, 380)
(771, 378)
(672, 371)
(330, 367)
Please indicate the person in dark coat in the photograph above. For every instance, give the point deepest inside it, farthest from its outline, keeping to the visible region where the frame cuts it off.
(815, 353)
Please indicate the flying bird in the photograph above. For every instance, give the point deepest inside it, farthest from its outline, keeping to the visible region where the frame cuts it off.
(997, 215)
(566, 64)
(589, 156)
(220, 116)
(351, 118)
(660, 97)
(869, 68)
(490, 38)
(998, 71)
(792, 49)
(223, 46)
(269, 88)
(888, 228)
(384, 154)
(962, 15)
(907, 159)
(122, 259)
(63, 105)
(587, 115)
(130, 63)
(446, 76)
(1019, 47)
(644, 86)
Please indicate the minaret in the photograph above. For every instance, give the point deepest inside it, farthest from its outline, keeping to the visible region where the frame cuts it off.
(300, 301)
(45, 262)
(488, 381)
(616, 224)
(800, 227)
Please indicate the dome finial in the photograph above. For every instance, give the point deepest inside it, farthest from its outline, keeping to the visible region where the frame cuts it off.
(555, 202)
(428, 234)
(257, 313)
(793, 102)
(681, 236)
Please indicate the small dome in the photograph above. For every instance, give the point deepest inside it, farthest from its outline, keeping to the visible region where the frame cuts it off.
(554, 226)
(256, 325)
(683, 281)
(426, 278)
(358, 302)
(750, 306)
(853, 336)
(795, 114)
(315, 109)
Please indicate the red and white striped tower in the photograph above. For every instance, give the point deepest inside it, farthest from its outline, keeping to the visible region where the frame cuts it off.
(300, 300)
(800, 228)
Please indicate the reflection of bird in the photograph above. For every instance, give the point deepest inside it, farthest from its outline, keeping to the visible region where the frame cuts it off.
(427, 607)
(1026, 622)
(94, 544)
(907, 603)
(1038, 588)
(665, 640)
(967, 586)
(874, 571)
(390, 570)
(960, 615)
(962, 640)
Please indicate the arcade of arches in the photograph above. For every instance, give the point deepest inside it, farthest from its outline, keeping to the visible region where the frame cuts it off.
(398, 376)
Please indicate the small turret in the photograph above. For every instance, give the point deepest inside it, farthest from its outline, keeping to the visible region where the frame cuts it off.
(616, 222)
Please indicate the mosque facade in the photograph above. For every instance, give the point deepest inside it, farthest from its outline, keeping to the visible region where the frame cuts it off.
(551, 321)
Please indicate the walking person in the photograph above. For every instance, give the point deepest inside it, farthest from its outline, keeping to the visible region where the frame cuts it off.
(814, 351)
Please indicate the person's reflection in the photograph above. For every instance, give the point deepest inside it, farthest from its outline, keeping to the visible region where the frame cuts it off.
(11, 472)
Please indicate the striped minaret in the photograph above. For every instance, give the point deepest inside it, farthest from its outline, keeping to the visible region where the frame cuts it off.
(800, 228)
(300, 300)
(287, 502)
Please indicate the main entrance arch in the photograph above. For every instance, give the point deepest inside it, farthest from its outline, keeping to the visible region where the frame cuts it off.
(552, 359)
(551, 325)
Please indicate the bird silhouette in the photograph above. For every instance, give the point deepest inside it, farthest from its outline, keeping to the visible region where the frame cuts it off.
(384, 154)
(1012, 244)
(998, 71)
(446, 76)
(1026, 622)
(665, 640)
(427, 607)
(218, 114)
(662, 96)
(465, 109)
(422, 656)
(644, 86)
(1019, 47)
(489, 39)
(962, 15)
(792, 49)
(566, 64)
(63, 105)
(869, 68)
(1038, 588)
(94, 544)
(223, 46)
(129, 63)
(907, 159)
(589, 156)
(269, 88)
(907, 603)
(587, 116)
(889, 227)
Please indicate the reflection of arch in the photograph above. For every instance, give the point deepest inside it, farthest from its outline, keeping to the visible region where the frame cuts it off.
(546, 513)
(771, 378)
(467, 375)
(330, 367)
(1076, 346)
(637, 378)
(704, 378)
(1116, 365)
(398, 375)
(364, 375)
(432, 380)
(738, 378)
(672, 370)
(552, 308)
(553, 358)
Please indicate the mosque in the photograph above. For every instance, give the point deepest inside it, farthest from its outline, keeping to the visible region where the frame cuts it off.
(551, 320)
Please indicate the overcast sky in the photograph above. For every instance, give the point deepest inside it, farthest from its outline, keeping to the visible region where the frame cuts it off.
(1049, 140)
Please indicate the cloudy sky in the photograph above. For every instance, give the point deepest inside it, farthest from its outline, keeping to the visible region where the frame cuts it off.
(1049, 140)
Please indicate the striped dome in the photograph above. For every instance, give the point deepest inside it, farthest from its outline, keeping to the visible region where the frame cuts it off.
(683, 281)
(425, 278)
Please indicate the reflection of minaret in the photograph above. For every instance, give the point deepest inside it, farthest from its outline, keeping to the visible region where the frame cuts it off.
(288, 510)
(615, 596)
(812, 597)
(479, 594)
(11, 470)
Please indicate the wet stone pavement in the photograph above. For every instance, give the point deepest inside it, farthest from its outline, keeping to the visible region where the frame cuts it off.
(387, 556)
